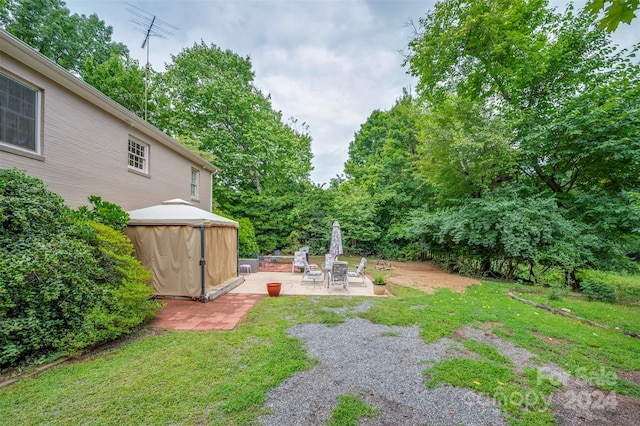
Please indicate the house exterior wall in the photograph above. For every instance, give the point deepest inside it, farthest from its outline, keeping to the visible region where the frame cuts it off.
(84, 142)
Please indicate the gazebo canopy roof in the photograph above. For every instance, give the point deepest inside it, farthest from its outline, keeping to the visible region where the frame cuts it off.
(177, 212)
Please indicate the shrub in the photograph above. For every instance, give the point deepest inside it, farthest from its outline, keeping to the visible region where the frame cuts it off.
(627, 287)
(411, 251)
(597, 289)
(557, 291)
(103, 212)
(28, 208)
(123, 302)
(502, 230)
(65, 283)
(629, 294)
(388, 250)
(247, 242)
(247, 238)
(47, 287)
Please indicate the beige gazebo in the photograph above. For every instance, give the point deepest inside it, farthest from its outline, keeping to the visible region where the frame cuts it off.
(191, 252)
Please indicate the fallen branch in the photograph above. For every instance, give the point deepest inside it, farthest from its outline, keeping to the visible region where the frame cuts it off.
(568, 315)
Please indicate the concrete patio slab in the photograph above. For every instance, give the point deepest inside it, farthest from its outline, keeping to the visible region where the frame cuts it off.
(292, 284)
(226, 311)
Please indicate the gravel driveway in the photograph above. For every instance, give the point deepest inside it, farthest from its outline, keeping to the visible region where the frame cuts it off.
(384, 366)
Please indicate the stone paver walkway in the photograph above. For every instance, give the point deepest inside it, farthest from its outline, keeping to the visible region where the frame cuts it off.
(223, 313)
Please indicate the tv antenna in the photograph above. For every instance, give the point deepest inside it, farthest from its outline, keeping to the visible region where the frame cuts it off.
(149, 25)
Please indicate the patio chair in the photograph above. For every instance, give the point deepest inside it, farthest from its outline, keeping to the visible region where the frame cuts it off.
(305, 250)
(359, 273)
(299, 260)
(311, 273)
(328, 260)
(339, 271)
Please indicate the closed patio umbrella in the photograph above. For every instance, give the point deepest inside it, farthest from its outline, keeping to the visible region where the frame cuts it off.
(335, 249)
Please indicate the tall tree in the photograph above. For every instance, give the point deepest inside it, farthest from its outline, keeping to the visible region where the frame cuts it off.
(119, 77)
(465, 150)
(207, 94)
(381, 176)
(538, 69)
(562, 98)
(48, 26)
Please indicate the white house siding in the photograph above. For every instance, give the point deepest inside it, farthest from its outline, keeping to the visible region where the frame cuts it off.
(84, 146)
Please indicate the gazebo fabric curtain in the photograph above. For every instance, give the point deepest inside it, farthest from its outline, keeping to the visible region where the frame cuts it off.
(172, 254)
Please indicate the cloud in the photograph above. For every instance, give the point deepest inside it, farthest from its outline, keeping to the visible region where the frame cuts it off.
(326, 63)
(329, 63)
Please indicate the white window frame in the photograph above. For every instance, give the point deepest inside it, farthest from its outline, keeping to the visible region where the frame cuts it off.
(138, 156)
(33, 116)
(195, 184)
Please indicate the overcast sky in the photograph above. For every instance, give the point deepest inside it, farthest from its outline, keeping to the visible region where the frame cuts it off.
(328, 63)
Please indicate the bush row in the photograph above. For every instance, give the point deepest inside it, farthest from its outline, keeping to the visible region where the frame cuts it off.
(66, 281)
(610, 287)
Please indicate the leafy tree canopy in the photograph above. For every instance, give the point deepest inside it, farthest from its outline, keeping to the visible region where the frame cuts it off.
(48, 26)
(540, 106)
(207, 97)
(381, 186)
(615, 12)
(207, 93)
(119, 77)
(465, 150)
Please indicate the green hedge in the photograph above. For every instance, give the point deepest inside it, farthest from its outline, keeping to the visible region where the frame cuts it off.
(610, 287)
(247, 238)
(65, 283)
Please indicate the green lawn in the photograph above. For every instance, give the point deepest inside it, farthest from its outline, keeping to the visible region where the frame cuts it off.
(609, 314)
(223, 377)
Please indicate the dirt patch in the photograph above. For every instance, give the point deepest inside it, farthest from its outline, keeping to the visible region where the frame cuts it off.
(555, 342)
(505, 331)
(581, 404)
(427, 277)
(579, 401)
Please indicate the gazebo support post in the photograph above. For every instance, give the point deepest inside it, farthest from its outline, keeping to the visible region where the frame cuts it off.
(202, 265)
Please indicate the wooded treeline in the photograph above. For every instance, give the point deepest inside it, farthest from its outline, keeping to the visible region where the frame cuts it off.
(518, 153)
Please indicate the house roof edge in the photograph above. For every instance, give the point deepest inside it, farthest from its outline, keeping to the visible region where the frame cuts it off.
(27, 55)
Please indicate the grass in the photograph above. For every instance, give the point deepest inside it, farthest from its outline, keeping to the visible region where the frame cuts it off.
(522, 396)
(486, 351)
(573, 345)
(623, 317)
(223, 377)
(627, 287)
(176, 378)
(350, 409)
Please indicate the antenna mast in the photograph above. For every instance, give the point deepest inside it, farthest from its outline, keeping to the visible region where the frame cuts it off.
(150, 26)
